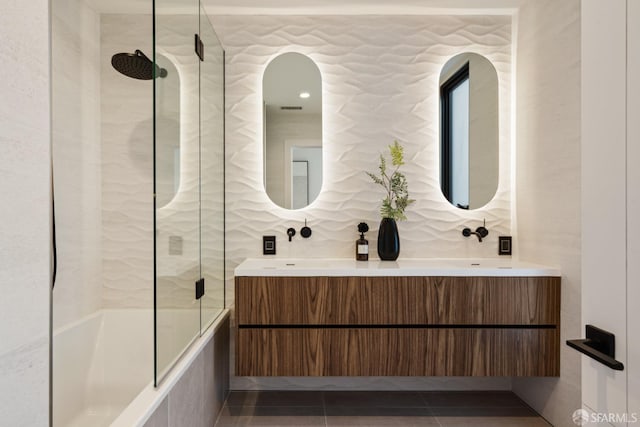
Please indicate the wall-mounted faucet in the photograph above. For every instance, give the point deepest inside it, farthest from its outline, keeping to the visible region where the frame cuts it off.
(480, 232)
(291, 232)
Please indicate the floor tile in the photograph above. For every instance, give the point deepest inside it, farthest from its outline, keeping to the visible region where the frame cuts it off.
(387, 399)
(366, 416)
(488, 416)
(272, 416)
(377, 409)
(275, 398)
(483, 411)
(472, 399)
(494, 422)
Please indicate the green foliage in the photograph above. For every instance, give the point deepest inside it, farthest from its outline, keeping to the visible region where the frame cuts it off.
(395, 185)
(396, 154)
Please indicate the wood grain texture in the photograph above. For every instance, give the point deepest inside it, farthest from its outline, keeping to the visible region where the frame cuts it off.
(398, 300)
(397, 352)
(359, 326)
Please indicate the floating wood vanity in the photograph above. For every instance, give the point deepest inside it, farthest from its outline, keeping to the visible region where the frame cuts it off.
(410, 318)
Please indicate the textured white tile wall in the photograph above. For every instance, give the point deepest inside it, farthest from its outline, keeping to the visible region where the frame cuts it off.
(548, 177)
(24, 215)
(212, 164)
(76, 151)
(380, 82)
(127, 167)
(180, 217)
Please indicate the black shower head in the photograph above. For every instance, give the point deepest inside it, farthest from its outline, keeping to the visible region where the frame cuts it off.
(136, 65)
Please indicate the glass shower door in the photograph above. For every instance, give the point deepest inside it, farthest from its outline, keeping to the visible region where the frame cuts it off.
(212, 171)
(177, 181)
(189, 178)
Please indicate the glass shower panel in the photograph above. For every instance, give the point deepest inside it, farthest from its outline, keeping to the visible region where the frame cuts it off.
(212, 171)
(177, 180)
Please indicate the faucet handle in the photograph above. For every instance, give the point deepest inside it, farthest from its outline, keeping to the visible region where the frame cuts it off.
(291, 232)
(466, 232)
(482, 231)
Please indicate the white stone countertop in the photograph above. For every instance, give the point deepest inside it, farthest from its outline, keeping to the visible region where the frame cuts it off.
(488, 267)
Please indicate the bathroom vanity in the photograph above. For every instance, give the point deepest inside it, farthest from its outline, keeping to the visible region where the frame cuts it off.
(432, 317)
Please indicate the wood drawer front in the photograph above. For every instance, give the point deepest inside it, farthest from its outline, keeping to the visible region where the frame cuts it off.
(397, 352)
(398, 300)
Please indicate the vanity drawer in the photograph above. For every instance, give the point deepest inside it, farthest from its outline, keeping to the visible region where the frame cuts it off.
(398, 352)
(398, 300)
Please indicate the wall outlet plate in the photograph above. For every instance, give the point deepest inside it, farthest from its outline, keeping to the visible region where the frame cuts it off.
(268, 245)
(504, 245)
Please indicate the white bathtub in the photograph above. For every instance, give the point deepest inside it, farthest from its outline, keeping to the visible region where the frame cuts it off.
(103, 369)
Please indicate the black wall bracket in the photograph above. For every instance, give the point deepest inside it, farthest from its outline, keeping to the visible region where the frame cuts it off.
(199, 288)
(600, 345)
(199, 47)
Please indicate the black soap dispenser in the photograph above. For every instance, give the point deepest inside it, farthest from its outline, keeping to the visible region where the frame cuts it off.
(362, 244)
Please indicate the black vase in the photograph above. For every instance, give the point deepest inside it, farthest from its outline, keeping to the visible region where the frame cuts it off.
(388, 240)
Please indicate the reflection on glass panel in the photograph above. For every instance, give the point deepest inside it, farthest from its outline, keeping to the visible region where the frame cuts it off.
(469, 130)
(292, 99)
(212, 175)
(459, 99)
(299, 184)
(309, 151)
(168, 132)
(177, 215)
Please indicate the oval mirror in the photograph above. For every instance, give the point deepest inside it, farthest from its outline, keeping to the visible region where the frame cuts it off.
(468, 131)
(167, 137)
(292, 101)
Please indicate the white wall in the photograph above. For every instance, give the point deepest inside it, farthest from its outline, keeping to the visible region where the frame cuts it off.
(76, 152)
(380, 82)
(609, 207)
(633, 204)
(548, 180)
(24, 215)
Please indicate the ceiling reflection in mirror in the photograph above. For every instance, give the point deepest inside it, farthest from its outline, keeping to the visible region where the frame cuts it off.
(292, 101)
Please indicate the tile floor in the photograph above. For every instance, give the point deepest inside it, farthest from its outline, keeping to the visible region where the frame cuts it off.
(377, 408)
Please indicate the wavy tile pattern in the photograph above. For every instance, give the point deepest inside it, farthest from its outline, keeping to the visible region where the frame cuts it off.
(380, 83)
(380, 80)
(194, 216)
(127, 169)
